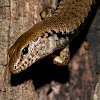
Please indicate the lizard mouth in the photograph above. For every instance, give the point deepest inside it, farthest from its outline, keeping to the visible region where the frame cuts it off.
(22, 64)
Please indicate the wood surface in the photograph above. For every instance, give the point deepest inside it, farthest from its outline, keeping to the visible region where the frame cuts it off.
(43, 81)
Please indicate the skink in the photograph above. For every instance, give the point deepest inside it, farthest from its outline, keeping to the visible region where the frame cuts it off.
(51, 34)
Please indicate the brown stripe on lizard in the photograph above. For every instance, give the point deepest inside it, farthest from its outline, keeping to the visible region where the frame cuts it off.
(51, 34)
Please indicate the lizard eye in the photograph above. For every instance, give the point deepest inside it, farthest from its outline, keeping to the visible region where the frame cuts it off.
(25, 51)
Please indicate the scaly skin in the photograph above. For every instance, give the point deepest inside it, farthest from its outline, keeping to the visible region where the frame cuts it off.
(49, 35)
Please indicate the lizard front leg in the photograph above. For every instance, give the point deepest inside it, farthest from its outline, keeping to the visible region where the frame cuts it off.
(64, 57)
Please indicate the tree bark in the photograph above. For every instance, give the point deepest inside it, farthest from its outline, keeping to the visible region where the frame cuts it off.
(16, 17)
(76, 81)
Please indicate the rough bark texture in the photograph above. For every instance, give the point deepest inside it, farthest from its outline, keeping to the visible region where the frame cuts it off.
(96, 54)
(16, 17)
(75, 82)
(97, 91)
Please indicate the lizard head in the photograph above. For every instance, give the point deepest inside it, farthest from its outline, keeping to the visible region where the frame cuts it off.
(23, 55)
(18, 57)
(31, 46)
(27, 50)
